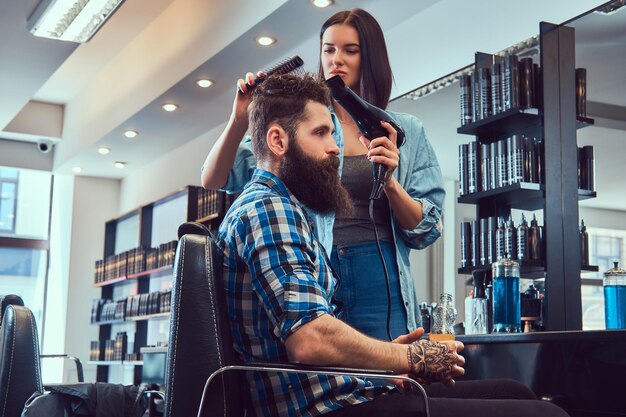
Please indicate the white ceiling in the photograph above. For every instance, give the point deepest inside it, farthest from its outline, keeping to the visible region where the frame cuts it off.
(152, 51)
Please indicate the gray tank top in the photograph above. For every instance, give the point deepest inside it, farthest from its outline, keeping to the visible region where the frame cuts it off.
(357, 179)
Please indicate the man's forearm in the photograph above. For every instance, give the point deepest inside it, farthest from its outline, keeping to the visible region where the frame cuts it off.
(327, 341)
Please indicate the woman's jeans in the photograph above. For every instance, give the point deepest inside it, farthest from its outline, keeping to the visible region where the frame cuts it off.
(362, 291)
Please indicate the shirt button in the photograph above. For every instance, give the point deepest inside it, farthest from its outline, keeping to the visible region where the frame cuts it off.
(400, 272)
(406, 303)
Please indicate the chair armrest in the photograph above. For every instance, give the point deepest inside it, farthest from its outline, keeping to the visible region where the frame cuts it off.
(307, 369)
(317, 369)
(77, 362)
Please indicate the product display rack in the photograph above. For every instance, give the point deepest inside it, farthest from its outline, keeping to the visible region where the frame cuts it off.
(555, 124)
(201, 206)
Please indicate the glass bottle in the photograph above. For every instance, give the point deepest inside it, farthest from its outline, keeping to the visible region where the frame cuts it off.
(534, 240)
(522, 239)
(615, 297)
(506, 296)
(425, 313)
(443, 317)
(584, 244)
(479, 304)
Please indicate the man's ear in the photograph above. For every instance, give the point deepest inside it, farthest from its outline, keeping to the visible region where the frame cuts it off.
(277, 140)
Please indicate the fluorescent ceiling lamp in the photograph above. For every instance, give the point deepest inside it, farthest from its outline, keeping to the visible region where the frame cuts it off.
(71, 20)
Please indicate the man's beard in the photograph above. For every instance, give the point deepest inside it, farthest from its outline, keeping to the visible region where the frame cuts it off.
(315, 183)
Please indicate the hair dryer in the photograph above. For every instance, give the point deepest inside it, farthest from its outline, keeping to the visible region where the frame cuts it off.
(367, 117)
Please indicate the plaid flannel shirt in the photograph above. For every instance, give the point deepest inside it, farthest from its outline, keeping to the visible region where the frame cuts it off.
(278, 278)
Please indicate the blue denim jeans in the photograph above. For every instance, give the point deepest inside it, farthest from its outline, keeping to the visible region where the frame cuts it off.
(362, 291)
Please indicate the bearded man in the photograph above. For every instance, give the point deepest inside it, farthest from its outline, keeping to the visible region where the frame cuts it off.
(279, 281)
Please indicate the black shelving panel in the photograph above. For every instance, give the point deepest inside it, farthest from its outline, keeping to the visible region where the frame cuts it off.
(504, 124)
(555, 124)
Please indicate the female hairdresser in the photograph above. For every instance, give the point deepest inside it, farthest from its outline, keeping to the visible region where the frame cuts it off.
(408, 215)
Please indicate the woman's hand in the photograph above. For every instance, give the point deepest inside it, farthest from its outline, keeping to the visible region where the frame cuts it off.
(243, 97)
(383, 150)
(436, 361)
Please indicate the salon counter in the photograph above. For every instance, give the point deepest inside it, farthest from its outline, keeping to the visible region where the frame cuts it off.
(582, 371)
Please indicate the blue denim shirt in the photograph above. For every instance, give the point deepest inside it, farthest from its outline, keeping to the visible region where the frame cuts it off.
(418, 173)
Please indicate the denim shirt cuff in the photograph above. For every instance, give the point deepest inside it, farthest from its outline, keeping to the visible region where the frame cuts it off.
(428, 230)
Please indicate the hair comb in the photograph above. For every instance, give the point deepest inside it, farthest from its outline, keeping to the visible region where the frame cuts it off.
(288, 65)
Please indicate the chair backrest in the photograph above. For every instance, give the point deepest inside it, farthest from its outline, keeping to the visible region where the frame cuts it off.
(7, 300)
(200, 339)
(20, 375)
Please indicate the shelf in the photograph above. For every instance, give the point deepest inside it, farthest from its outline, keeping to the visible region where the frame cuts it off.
(156, 272)
(109, 282)
(512, 121)
(582, 122)
(208, 218)
(521, 195)
(153, 349)
(589, 268)
(527, 268)
(150, 316)
(586, 194)
(124, 363)
(105, 322)
(159, 316)
(503, 124)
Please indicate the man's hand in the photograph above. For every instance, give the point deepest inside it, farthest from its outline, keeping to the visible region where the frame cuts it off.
(436, 361)
(407, 339)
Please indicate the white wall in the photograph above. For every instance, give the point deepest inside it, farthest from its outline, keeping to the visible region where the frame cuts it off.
(93, 202)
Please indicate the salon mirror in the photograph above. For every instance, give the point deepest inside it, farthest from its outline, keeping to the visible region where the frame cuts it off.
(601, 49)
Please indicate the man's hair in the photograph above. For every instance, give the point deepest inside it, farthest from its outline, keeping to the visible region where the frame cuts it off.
(282, 99)
(376, 77)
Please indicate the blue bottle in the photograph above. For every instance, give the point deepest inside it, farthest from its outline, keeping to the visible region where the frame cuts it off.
(615, 297)
(506, 296)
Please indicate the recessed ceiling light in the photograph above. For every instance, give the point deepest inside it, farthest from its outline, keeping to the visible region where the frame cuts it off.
(77, 170)
(322, 3)
(265, 40)
(119, 164)
(131, 134)
(169, 107)
(204, 83)
(104, 150)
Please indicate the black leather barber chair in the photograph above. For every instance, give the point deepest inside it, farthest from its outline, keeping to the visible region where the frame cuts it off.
(200, 350)
(19, 359)
(20, 367)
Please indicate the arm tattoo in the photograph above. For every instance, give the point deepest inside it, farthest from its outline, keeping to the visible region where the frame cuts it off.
(430, 360)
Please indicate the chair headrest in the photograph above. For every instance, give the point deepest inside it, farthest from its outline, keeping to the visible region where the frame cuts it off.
(193, 228)
(9, 299)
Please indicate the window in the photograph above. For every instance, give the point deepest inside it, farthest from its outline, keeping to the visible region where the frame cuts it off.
(605, 247)
(8, 199)
(24, 219)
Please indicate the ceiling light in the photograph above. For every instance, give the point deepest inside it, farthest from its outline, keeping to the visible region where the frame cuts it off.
(131, 134)
(322, 3)
(119, 164)
(204, 83)
(103, 150)
(169, 107)
(265, 40)
(71, 20)
(77, 170)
